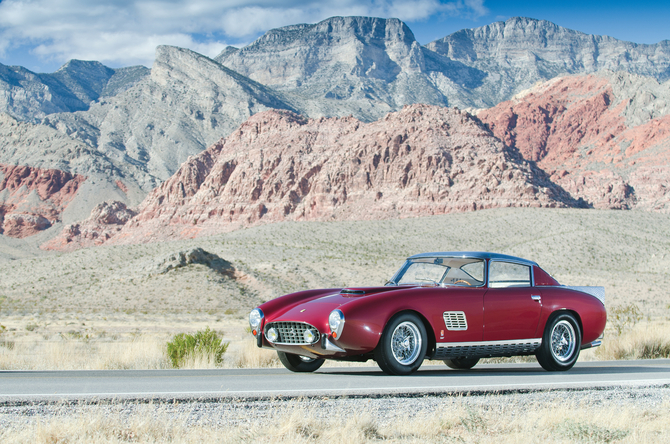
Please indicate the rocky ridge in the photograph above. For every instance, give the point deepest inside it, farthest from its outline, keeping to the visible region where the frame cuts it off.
(187, 103)
(30, 96)
(369, 66)
(604, 138)
(279, 166)
(519, 52)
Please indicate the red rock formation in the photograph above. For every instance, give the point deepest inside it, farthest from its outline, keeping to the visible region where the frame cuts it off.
(277, 166)
(574, 128)
(105, 221)
(32, 199)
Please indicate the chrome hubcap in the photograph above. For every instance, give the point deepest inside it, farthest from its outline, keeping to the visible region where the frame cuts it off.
(307, 359)
(406, 343)
(563, 341)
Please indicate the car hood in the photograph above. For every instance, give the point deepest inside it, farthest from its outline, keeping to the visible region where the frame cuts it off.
(316, 311)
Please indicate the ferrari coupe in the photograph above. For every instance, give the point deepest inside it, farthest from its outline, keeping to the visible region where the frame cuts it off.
(458, 307)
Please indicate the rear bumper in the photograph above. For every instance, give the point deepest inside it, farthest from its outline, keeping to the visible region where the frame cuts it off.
(591, 345)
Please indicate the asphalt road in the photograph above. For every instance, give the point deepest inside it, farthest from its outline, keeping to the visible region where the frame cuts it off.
(31, 386)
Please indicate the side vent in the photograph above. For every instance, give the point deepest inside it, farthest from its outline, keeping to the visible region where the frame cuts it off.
(455, 320)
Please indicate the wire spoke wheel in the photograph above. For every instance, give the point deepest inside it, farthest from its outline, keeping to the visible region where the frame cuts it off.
(562, 341)
(402, 346)
(406, 343)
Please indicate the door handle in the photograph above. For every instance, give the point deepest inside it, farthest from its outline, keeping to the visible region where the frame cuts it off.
(536, 297)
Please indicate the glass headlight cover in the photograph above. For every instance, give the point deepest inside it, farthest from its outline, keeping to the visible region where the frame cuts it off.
(309, 336)
(272, 335)
(255, 318)
(336, 323)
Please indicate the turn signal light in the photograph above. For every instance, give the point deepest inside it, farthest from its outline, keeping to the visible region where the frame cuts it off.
(254, 332)
(334, 335)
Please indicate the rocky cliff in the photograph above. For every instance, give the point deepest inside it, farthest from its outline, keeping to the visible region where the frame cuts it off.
(604, 138)
(279, 166)
(32, 199)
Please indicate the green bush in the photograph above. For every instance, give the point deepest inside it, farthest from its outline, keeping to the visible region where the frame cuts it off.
(624, 317)
(203, 343)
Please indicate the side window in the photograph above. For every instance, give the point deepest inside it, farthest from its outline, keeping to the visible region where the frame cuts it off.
(508, 274)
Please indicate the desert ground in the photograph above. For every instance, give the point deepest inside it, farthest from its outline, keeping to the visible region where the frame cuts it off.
(116, 307)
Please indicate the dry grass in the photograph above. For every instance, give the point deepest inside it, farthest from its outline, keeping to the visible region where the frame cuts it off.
(495, 419)
(142, 352)
(644, 341)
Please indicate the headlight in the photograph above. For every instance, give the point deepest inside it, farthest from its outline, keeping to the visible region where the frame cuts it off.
(309, 336)
(272, 334)
(255, 318)
(336, 323)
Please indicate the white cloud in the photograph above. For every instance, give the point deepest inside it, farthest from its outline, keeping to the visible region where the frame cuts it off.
(124, 32)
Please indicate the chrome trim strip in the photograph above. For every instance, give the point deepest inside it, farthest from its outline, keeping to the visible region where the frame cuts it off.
(512, 260)
(505, 342)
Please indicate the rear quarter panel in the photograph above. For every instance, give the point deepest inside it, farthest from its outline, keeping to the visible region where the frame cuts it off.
(589, 310)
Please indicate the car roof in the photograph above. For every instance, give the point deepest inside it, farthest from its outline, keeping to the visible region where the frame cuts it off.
(474, 255)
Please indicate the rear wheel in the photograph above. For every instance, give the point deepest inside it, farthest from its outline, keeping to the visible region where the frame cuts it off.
(402, 347)
(297, 363)
(560, 343)
(461, 364)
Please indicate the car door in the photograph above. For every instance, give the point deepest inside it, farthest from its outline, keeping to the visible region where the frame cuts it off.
(512, 306)
(457, 314)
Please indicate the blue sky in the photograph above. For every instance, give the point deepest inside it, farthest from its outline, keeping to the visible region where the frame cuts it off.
(41, 35)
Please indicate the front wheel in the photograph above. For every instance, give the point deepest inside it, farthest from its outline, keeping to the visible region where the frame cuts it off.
(461, 364)
(297, 363)
(560, 343)
(403, 344)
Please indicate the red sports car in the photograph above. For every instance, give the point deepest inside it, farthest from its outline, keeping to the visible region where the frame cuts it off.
(454, 306)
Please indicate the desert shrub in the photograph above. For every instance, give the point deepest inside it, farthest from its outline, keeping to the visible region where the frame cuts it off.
(623, 317)
(585, 432)
(203, 343)
(654, 348)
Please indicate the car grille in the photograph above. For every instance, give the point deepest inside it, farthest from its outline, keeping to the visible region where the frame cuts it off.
(292, 332)
(455, 320)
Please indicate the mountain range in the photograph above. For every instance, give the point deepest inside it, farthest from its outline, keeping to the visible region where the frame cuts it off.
(530, 83)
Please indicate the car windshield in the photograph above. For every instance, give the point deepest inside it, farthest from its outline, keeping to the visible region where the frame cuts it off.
(468, 272)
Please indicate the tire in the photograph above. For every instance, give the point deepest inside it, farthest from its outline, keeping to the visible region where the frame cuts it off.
(300, 364)
(461, 364)
(403, 344)
(561, 342)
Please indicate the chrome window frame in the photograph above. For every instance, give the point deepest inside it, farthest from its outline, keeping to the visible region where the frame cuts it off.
(409, 261)
(511, 261)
